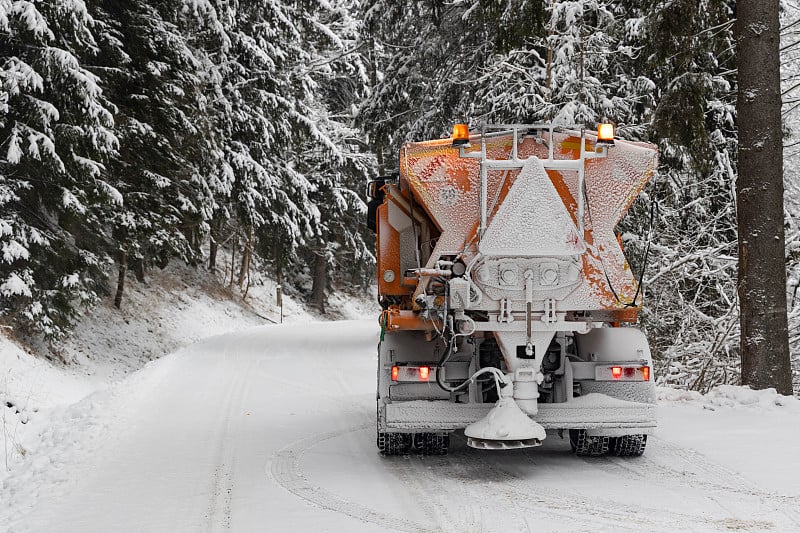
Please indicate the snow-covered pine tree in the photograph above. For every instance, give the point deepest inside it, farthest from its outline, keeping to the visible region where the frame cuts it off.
(262, 197)
(285, 151)
(425, 58)
(55, 136)
(568, 61)
(154, 76)
(578, 46)
(590, 74)
(339, 168)
(691, 312)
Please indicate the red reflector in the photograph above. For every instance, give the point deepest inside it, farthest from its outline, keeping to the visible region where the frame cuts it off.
(629, 371)
(395, 372)
(424, 372)
(646, 373)
(616, 372)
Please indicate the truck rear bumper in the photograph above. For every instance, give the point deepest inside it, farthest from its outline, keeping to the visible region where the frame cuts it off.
(591, 412)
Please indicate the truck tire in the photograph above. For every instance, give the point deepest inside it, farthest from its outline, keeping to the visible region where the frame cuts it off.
(629, 445)
(431, 443)
(588, 446)
(394, 443)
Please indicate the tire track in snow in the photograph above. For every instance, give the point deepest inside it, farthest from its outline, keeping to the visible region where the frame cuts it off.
(220, 507)
(599, 511)
(717, 477)
(481, 496)
(454, 492)
(488, 497)
(497, 492)
(701, 472)
(428, 495)
(286, 471)
(499, 509)
(457, 504)
(528, 497)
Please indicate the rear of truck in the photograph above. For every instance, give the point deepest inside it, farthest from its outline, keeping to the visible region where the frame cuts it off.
(509, 306)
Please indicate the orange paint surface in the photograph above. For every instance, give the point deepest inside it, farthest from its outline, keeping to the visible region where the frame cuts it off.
(447, 187)
(388, 253)
(396, 320)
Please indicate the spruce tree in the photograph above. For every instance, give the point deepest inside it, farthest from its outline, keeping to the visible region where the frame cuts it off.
(154, 76)
(56, 134)
(688, 47)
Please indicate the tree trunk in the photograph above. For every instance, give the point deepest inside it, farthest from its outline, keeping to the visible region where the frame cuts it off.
(138, 269)
(246, 255)
(213, 248)
(278, 255)
(320, 280)
(759, 193)
(234, 244)
(548, 83)
(122, 269)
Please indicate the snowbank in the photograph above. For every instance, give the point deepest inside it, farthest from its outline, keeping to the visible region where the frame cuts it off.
(731, 396)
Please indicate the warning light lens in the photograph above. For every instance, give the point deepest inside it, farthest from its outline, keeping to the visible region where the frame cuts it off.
(622, 372)
(395, 373)
(460, 134)
(424, 372)
(605, 132)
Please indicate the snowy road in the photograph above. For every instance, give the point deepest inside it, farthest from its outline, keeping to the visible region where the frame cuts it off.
(273, 430)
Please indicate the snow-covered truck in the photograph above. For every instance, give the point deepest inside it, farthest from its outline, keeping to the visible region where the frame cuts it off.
(508, 304)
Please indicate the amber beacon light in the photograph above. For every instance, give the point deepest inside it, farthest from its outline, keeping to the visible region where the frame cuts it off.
(605, 133)
(460, 135)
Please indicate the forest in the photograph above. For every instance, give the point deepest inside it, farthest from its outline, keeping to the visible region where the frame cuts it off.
(136, 133)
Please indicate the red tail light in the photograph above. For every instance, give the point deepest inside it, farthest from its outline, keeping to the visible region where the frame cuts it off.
(413, 373)
(623, 372)
(424, 372)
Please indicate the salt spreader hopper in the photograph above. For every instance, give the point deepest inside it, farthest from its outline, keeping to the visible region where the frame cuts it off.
(508, 302)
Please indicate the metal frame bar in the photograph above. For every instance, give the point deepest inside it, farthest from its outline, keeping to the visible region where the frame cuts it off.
(620, 418)
(514, 162)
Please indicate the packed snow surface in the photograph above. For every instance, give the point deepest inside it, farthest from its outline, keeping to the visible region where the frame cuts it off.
(272, 429)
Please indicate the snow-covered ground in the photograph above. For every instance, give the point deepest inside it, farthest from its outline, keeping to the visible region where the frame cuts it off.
(176, 307)
(272, 429)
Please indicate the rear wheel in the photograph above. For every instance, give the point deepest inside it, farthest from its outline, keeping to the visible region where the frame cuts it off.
(588, 446)
(394, 443)
(629, 445)
(432, 443)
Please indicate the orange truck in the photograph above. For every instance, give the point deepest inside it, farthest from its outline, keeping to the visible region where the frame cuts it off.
(508, 304)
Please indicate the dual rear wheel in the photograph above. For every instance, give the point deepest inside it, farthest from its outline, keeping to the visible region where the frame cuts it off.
(423, 443)
(582, 444)
(598, 445)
